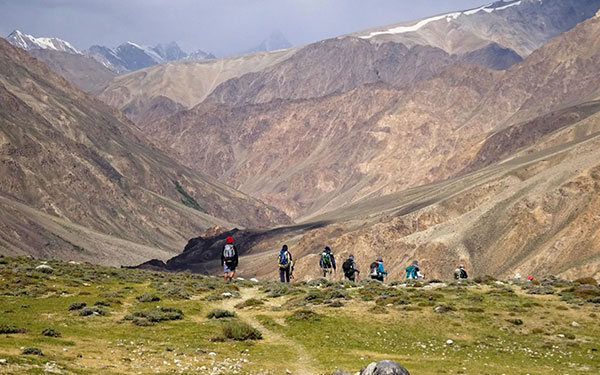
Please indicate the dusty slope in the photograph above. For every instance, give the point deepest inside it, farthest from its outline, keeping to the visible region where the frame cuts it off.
(310, 156)
(74, 158)
(185, 83)
(535, 213)
(81, 71)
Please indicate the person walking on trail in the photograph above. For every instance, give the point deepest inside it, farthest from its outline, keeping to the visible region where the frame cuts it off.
(377, 271)
(286, 265)
(327, 262)
(229, 259)
(350, 269)
(460, 273)
(413, 271)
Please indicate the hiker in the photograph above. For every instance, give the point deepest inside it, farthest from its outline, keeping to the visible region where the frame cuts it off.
(413, 271)
(460, 273)
(350, 269)
(229, 259)
(327, 262)
(377, 271)
(286, 265)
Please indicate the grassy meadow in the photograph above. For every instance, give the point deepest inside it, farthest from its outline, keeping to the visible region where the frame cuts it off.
(66, 318)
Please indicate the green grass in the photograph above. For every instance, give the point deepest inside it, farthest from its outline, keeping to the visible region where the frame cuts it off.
(187, 199)
(495, 329)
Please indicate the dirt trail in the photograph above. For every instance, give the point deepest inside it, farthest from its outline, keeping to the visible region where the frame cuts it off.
(303, 364)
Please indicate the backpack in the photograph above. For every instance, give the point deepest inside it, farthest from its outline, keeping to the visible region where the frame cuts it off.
(228, 252)
(325, 260)
(463, 274)
(348, 267)
(411, 272)
(374, 269)
(284, 259)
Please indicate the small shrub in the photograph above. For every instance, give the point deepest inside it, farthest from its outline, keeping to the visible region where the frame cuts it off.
(586, 281)
(32, 350)
(335, 304)
(538, 331)
(148, 297)
(50, 332)
(94, 310)
(240, 331)
(77, 306)
(220, 314)
(141, 321)
(6, 329)
(158, 314)
(3, 260)
(484, 279)
(517, 322)
(102, 303)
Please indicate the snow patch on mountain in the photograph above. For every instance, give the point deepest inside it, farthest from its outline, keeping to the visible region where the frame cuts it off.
(492, 7)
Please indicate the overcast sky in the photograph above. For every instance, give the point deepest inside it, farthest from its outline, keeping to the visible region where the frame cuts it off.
(222, 27)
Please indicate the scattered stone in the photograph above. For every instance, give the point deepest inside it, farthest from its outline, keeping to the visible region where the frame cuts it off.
(449, 342)
(440, 309)
(226, 294)
(254, 280)
(212, 353)
(3, 361)
(240, 278)
(384, 368)
(287, 371)
(575, 324)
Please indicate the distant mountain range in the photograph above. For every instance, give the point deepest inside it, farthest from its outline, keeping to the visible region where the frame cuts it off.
(275, 41)
(126, 57)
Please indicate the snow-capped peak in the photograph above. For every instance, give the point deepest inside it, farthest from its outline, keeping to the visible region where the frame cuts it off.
(29, 42)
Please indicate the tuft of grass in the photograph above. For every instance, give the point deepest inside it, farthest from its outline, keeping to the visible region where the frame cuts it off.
(94, 310)
(159, 314)
(32, 350)
(304, 315)
(6, 329)
(240, 331)
(377, 309)
(220, 314)
(251, 302)
(77, 306)
(148, 297)
(50, 332)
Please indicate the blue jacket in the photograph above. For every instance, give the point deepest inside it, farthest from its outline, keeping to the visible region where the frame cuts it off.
(380, 269)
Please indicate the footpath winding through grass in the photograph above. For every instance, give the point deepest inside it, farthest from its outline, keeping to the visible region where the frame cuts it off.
(82, 319)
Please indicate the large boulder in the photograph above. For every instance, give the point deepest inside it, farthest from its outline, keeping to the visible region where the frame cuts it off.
(384, 368)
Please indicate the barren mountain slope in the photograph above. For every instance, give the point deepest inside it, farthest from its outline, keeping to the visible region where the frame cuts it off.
(519, 25)
(72, 157)
(185, 83)
(81, 71)
(533, 214)
(334, 66)
(310, 156)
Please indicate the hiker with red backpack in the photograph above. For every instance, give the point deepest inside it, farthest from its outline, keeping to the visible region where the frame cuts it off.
(229, 259)
(327, 262)
(286, 265)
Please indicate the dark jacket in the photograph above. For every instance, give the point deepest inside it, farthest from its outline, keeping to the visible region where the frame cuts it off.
(234, 261)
